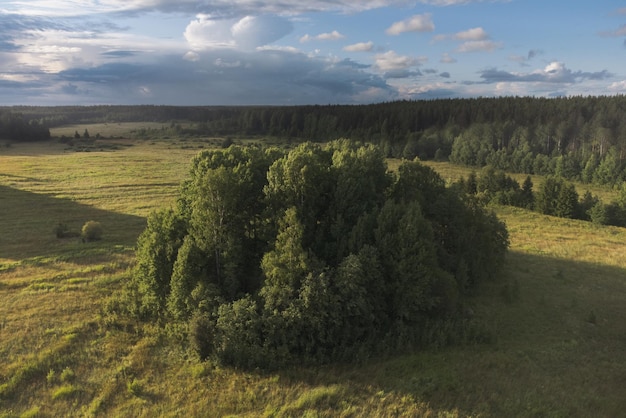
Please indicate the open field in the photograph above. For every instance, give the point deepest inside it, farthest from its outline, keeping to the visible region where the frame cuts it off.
(553, 326)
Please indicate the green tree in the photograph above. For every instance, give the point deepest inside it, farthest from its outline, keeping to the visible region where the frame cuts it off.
(527, 195)
(557, 197)
(286, 265)
(157, 250)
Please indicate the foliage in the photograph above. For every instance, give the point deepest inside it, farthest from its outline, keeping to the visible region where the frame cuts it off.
(14, 126)
(92, 231)
(311, 255)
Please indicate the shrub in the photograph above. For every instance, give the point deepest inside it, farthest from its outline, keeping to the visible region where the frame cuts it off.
(134, 387)
(61, 230)
(92, 231)
(67, 375)
(201, 334)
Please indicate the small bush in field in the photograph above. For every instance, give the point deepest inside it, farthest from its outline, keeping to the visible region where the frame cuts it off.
(92, 231)
(67, 375)
(63, 231)
(134, 387)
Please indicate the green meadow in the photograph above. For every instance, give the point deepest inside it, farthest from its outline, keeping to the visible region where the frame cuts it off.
(553, 330)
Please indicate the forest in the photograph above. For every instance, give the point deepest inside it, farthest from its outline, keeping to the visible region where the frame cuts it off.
(314, 255)
(14, 127)
(577, 138)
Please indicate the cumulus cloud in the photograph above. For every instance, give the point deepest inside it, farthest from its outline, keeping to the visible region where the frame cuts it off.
(330, 36)
(618, 87)
(359, 47)
(417, 23)
(472, 40)
(478, 46)
(474, 34)
(392, 61)
(248, 32)
(555, 72)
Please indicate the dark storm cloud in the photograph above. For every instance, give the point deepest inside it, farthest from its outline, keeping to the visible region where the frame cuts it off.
(231, 77)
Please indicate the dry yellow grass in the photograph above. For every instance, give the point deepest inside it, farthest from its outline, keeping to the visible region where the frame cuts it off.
(553, 322)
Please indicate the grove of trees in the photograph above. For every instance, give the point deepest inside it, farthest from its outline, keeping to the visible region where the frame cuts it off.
(555, 196)
(314, 255)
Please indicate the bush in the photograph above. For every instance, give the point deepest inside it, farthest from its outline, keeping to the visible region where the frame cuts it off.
(201, 334)
(92, 231)
(61, 230)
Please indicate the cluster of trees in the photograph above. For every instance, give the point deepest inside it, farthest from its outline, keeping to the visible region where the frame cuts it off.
(13, 126)
(555, 196)
(317, 254)
(591, 154)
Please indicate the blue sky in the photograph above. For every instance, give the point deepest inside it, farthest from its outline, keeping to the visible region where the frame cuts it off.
(249, 52)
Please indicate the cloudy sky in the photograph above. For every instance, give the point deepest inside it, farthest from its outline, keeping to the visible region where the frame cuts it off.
(283, 52)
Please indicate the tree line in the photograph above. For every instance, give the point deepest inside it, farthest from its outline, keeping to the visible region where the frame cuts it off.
(555, 196)
(313, 255)
(14, 127)
(577, 138)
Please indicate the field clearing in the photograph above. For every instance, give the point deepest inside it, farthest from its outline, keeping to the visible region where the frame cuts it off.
(110, 130)
(553, 325)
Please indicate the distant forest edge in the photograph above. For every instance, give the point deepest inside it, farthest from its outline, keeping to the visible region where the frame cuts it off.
(578, 138)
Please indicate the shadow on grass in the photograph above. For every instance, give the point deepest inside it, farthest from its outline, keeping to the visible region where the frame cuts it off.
(557, 350)
(29, 219)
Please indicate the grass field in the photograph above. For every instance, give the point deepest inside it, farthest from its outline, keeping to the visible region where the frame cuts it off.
(554, 320)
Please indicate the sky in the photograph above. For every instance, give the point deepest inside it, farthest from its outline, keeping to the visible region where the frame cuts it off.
(292, 52)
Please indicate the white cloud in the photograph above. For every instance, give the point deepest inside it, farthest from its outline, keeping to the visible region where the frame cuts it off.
(472, 40)
(474, 34)
(359, 47)
(289, 49)
(191, 56)
(330, 36)
(391, 61)
(478, 46)
(248, 32)
(618, 87)
(417, 23)
(205, 32)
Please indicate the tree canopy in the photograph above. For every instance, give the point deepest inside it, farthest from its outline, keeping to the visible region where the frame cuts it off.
(315, 254)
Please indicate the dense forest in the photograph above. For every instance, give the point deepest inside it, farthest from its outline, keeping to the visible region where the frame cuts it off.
(318, 254)
(578, 138)
(15, 127)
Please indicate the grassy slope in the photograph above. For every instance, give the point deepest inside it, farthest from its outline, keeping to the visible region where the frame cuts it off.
(555, 317)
